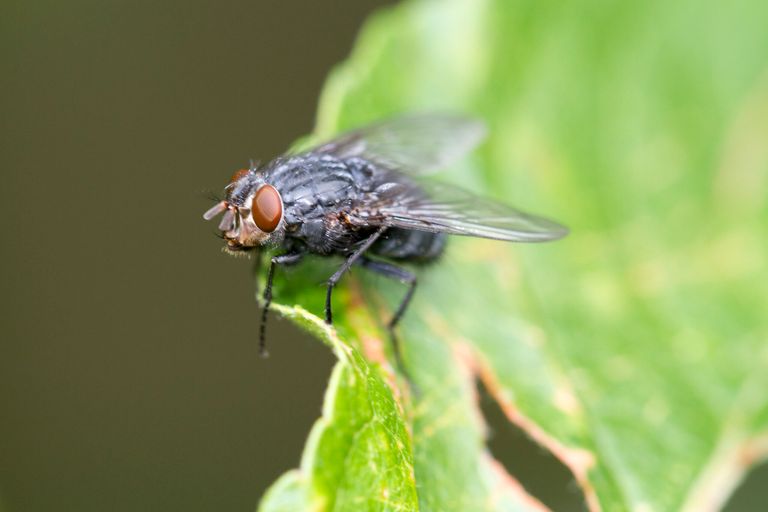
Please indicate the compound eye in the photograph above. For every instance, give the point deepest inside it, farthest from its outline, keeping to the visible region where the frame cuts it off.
(267, 208)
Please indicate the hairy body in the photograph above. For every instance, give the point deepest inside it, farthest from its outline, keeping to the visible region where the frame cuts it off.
(362, 197)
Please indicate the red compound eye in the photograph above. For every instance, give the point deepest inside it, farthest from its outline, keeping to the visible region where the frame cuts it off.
(267, 208)
(239, 174)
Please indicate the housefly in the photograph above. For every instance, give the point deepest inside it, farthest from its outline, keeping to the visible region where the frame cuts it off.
(363, 197)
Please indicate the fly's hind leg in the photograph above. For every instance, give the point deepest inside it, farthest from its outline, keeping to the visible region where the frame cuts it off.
(405, 277)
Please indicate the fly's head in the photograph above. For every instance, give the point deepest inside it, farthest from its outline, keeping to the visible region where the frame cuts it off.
(253, 212)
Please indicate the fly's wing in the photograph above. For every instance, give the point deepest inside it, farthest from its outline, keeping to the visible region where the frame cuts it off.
(412, 144)
(441, 208)
(405, 148)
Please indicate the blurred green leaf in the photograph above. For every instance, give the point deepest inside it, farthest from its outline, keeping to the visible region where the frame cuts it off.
(635, 350)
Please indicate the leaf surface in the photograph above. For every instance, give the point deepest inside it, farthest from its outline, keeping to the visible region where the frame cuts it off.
(635, 349)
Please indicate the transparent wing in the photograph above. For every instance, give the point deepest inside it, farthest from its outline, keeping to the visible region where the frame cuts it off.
(412, 144)
(442, 208)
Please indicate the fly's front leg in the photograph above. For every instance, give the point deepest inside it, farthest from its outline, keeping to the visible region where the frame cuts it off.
(282, 259)
(344, 267)
(405, 277)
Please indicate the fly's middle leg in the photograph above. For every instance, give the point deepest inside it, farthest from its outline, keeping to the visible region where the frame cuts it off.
(346, 266)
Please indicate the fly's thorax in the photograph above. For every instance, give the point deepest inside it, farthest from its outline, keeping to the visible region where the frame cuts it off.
(315, 181)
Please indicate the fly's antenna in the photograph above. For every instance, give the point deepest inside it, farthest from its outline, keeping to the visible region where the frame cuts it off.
(228, 220)
(216, 209)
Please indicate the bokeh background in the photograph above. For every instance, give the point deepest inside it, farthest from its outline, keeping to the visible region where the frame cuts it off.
(129, 376)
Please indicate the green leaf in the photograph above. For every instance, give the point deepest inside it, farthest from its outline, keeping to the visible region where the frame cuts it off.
(359, 454)
(635, 350)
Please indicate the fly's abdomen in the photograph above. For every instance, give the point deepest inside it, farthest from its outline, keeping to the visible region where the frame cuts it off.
(416, 246)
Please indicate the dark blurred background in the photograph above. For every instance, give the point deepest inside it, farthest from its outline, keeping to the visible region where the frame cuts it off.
(128, 362)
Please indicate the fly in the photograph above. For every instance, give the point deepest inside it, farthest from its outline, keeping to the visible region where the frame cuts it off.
(363, 197)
